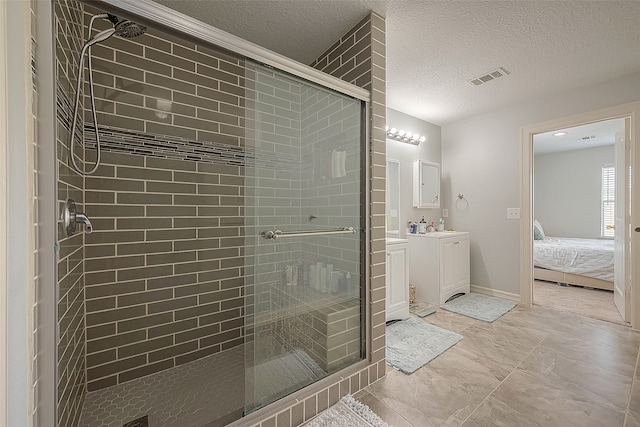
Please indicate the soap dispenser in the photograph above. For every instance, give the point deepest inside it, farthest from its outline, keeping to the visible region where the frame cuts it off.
(422, 226)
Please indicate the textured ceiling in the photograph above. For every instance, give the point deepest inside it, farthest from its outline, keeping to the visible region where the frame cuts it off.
(435, 47)
(599, 134)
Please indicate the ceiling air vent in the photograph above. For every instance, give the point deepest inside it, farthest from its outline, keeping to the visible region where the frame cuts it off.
(491, 75)
(585, 138)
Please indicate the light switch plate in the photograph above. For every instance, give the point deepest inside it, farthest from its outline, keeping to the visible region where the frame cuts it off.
(394, 213)
(513, 213)
(445, 213)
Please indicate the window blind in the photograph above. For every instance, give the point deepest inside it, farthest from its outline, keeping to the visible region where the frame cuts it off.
(608, 216)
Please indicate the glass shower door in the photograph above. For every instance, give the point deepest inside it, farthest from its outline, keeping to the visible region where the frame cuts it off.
(304, 213)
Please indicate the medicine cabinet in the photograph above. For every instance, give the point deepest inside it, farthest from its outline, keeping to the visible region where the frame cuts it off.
(426, 185)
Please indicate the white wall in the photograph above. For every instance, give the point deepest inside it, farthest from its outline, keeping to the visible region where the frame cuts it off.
(429, 150)
(567, 190)
(481, 158)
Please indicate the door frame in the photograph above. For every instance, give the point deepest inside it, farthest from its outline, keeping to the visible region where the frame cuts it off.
(631, 110)
(18, 238)
(4, 107)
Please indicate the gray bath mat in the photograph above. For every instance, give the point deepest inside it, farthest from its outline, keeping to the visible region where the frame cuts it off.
(412, 343)
(348, 412)
(479, 306)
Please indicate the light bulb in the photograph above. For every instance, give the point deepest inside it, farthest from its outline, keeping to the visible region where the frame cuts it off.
(401, 132)
(422, 139)
(409, 135)
(393, 131)
(386, 128)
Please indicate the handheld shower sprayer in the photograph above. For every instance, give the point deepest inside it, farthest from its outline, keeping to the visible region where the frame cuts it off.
(101, 36)
(122, 28)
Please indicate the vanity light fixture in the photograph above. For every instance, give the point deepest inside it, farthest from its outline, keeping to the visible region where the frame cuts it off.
(402, 136)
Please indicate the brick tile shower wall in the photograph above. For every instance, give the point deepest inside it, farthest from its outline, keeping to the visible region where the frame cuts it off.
(71, 350)
(359, 58)
(164, 266)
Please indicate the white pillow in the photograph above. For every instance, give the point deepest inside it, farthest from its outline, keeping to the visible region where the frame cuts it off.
(538, 232)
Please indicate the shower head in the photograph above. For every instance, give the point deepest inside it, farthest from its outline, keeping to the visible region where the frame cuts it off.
(127, 29)
(123, 28)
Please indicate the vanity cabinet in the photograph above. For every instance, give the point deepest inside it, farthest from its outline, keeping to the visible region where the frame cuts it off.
(397, 280)
(439, 265)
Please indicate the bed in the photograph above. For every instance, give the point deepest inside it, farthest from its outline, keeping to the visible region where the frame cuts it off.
(582, 262)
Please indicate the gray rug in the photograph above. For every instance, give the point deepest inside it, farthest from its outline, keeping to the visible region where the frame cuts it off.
(348, 412)
(412, 343)
(480, 306)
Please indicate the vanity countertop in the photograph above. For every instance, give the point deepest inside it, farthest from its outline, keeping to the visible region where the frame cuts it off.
(395, 240)
(439, 234)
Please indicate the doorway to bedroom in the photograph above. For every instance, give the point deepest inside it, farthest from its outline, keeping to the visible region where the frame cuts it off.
(578, 248)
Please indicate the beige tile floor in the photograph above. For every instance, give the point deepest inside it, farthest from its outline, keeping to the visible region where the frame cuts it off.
(532, 367)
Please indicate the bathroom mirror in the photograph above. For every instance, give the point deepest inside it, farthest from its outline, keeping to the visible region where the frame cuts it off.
(393, 197)
(426, 184)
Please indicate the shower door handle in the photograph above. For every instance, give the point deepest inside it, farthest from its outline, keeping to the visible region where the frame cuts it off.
(272, 235)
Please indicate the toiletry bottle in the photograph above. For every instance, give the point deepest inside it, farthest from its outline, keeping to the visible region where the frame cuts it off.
(422, 226)
(347, 283)
(413, 227)
(441, 225)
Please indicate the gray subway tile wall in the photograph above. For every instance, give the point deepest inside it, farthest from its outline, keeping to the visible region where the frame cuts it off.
(349, 50)
(164, 265)
(71, 345)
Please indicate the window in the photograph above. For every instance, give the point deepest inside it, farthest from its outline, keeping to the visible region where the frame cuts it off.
(607, 227)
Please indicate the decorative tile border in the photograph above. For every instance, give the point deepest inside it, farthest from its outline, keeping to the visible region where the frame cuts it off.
(168, 147)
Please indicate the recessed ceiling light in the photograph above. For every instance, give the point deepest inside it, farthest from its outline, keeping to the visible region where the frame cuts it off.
(559, 133)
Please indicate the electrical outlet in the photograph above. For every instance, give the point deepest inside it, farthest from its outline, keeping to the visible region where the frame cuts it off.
(513, 213)
(445, 213)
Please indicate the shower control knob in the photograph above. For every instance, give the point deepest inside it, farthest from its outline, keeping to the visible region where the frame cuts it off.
(637, 229)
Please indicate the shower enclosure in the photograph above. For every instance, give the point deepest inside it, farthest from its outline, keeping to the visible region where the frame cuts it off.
(226, 265)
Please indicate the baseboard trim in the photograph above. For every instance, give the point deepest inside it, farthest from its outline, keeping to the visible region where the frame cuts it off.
(495, 293)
